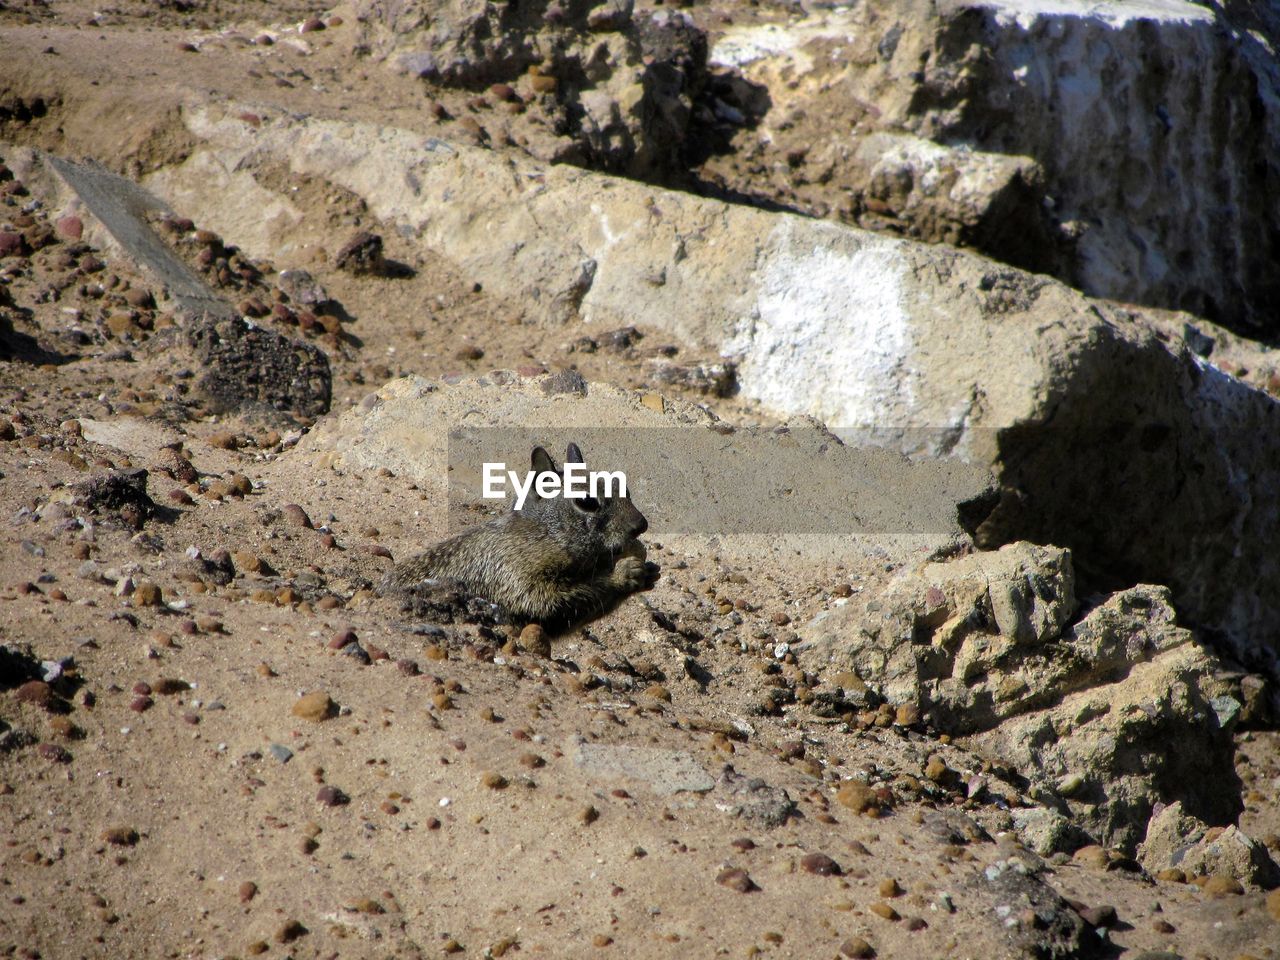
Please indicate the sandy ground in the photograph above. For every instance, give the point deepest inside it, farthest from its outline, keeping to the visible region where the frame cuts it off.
(454, 795)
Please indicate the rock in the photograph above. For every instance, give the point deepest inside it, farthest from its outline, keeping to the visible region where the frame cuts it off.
(665, 772)
(315, 706)
(118, 498)
(1116, 735)
(982, 643)
(752, 798)
(735, 878)
(1176, 840)
(632, 110)
(820, 864)
(38, 693)
(147, 594)
(69, 227)
(1013, 83)
(976, 627)
(566, 381)
(857, 796)
(331, 796)
(120, 836)
(362, 254)
(13, 244)
(845, 489)
(296, 515)
(303, 290)
(1045, 831)
(249, 369)
(1037, 921)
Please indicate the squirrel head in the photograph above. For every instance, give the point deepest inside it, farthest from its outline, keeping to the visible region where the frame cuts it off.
(614, 519)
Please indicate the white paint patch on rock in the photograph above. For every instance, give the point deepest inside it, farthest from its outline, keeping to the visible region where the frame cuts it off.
(1114, 13)
(739, 46)
(830, 333)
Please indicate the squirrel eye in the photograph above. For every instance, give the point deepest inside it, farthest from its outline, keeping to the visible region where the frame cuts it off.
(587, 504)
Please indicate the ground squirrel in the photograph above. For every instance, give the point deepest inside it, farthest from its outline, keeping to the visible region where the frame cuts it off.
(557, 561)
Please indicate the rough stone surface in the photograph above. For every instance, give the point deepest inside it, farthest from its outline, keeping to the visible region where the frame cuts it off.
(839, 491)
(982, 643)
(1139, 177)
(250, 369)
(618, 93)
(663, 771)
(1175, 839)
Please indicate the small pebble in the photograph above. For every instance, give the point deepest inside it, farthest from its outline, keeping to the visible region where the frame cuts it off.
(882, 909)
(735, 878)
(291, 931)
(857, 796)
(331, 796)
(248, 890)
(857, 948)
(820, 864)
(53, 753)
(315, 706)
(120, 836)
(1102, 916)
(1222, 885)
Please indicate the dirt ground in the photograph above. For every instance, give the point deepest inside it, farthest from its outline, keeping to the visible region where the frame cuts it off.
(447, 793)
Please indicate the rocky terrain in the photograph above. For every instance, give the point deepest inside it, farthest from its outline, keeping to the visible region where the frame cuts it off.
(934, 339)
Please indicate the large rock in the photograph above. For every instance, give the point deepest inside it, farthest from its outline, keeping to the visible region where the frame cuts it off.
(1085, 712)
(1176, 840)
(615, 91)
(1153, 127)
(1109, 435)
(687, 476)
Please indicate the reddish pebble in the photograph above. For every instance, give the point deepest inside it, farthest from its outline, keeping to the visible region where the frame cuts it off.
(141, 704)
(70, 227)
(820, 864)
(334, 22)
(142, 688)
(296, 515)
(340, 640)
(53, 753)
(735, 878)
(36, 692)
(12, 244)
(332, 797)
(187, 47)
(248, 890)
(311, 25)
(743, 843)
(181, 497)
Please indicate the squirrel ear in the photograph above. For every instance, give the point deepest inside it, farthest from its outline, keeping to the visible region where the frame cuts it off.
(573, 454)
(542, 462)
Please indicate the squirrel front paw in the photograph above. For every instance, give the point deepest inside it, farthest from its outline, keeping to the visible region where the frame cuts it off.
(632, 573)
